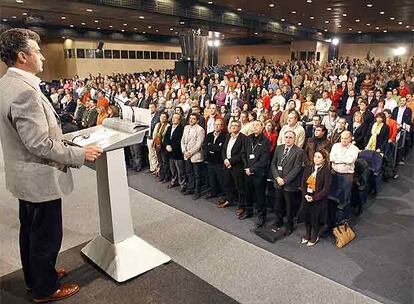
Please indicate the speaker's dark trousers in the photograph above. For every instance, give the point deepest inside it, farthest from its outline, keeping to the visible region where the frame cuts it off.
(40, 240)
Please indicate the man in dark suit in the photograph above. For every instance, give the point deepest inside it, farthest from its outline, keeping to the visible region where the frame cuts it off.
(233, 153)
(172, 142)
(213, 145)
(203, 98)
(286, 169)
(255, 166)
(402, 115)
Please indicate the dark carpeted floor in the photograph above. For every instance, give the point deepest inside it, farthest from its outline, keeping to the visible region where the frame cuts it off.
(378, 263)
(167, 284)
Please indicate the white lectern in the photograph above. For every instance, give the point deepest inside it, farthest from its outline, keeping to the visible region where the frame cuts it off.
(117, 250)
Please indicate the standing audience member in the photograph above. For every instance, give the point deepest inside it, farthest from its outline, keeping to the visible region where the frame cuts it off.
(256, 165)
(316, 184)
(191, 145)
(286, 169)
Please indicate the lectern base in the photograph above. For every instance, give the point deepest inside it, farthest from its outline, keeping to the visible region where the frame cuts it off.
(126, 259)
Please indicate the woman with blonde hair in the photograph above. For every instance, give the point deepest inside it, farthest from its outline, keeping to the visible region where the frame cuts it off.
(102, 114)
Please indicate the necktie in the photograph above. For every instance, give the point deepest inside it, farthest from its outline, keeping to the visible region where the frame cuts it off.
(285, 153)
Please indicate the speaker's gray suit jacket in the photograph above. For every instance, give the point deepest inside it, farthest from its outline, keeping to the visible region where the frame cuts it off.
(36, 160)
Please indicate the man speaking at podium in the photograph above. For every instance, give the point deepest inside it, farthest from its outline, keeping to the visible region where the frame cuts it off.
(36, 163)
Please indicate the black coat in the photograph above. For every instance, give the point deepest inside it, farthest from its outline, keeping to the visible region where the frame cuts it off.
(323, 182)
(360, 135)
(260, 149)
(212, 149)
(174, 141)
(291, 167)
(407, 115)
(237, 152)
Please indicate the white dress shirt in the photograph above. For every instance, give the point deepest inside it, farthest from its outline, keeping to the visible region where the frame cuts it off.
(230, 145)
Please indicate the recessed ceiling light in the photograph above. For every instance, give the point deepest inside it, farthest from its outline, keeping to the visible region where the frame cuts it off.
(14, 17)
(309, 1)
(368, 24)
(63, 37)
(149, 26)
(157, 31)
(407, 26)
(144, 32)
(325, 30)
(125, 24)
(111, 26)
(271, 5)
(182, 22)
(171, 29)
(176, 33)
(135, 28)
(141, 17)
(369, 5)
(311, 17)
(283, 20)
(392, 18)
(326, 21)
(377, 28)
(83, 23)
(384, 31)
(256, 33)
(412, 30)
(329, 8)
(400, 23)
(293, 12)
(89, 10)
(344, 14)
(122, 30)
(4, 19)
(382, 13)
(63, 17)
(299, 23)
(210, 2)
(359, 32)
(71, 25)
(357, 20)
(96, 21)
(98, 28)
(349, 29)
(339, 25)
(239, 9)
(19, 1)
(24, 14)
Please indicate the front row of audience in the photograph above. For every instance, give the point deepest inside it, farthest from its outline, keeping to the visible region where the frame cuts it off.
(244, 170)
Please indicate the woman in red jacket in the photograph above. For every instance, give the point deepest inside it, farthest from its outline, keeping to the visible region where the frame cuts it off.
(271, 134)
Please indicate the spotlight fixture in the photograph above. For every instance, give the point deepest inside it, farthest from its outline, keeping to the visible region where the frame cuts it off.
(141, 17)
(369, 5)
(239, 9)
(210, 2)
(357, 20)
(283, 20)
(89, 10)
(344, 14)
(329, 8)
(83, 23)
(19, 1)
(392, 18)
(71, 25)
(271, 5)
(309, 1)
(63, 17)
(311, 17)
(293, 12)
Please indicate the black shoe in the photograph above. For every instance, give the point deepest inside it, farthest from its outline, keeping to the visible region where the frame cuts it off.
(138, 169)
(276, 225)
(183, 189)
(165, 181)
(196, 196)
(172, 186)
(245, 215)
(260, 222)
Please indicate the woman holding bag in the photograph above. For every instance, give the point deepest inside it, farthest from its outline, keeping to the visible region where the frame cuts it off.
(316, 183)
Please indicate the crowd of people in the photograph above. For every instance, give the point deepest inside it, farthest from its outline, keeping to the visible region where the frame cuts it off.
(291, 135)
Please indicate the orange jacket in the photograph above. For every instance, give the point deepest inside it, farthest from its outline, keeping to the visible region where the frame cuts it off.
(392, 124)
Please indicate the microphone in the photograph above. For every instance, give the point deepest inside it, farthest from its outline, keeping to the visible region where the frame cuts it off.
(133, 113)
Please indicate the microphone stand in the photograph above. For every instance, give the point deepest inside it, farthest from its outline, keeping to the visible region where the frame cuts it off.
(116, 100)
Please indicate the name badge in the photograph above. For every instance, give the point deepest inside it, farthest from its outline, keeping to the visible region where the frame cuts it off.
(280, 168)
(251, 156)
(309, 190)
